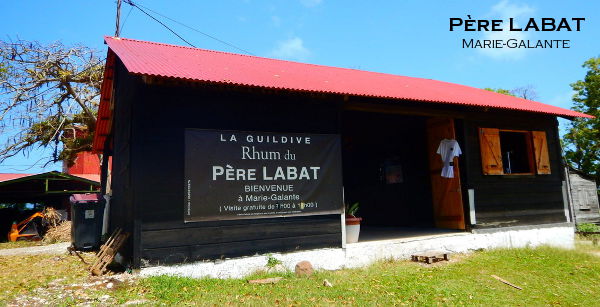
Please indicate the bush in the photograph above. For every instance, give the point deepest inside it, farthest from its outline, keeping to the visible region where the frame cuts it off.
(588, 227)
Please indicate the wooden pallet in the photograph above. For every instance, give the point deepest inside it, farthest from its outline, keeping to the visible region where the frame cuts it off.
(107, 252)
(430, 256)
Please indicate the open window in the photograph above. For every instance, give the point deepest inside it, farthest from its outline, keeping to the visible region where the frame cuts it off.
(513, 152)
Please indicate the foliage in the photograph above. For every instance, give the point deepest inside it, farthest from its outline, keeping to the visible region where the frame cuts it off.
(588, 227)
(352, 209)
(272, 261)
(499, 91)
(45, 92)
(21, 206)
(582, 141)
(465, 280)
(2, 71)
(526, 92)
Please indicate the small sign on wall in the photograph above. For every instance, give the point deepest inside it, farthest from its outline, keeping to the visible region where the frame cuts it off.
(233, 175)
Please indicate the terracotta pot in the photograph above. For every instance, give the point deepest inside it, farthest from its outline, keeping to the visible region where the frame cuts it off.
(352, 220)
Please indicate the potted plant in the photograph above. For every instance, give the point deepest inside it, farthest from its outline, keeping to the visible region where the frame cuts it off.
(352, 223)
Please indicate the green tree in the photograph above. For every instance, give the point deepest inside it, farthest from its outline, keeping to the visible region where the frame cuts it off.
(526, 92)
(499, 91)
(45, 92)
(582, 141)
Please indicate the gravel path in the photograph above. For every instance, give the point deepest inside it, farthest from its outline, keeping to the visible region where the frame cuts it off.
(53, 249)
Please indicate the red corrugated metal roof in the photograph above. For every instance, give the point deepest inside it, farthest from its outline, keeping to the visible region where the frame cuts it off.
(9, 176)
(169, 61)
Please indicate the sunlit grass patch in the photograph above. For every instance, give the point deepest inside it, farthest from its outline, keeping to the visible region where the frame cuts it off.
(547, 276)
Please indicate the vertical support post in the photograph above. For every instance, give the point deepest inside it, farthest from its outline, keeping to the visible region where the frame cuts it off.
(117, 26)
(46, 186)
(343, 219)
(472, 218)
(570, 194)
(566, 201)
(104, 169)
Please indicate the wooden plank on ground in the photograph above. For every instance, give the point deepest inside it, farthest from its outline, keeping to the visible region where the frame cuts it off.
(272, 280)
(107, 252)
(430, 256)
(507, 282)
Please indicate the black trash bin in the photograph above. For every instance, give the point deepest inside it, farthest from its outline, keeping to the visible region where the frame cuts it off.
(87, 215)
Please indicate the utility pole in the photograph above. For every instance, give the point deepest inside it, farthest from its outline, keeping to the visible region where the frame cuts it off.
(118, 29)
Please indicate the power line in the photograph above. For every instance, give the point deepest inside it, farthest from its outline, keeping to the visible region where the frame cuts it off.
(194, 29)
(126, 17)
(164, 25)
(30, 166)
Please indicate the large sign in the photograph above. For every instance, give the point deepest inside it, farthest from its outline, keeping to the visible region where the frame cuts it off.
(246, 175)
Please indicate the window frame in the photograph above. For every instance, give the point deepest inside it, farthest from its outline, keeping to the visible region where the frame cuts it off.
(491, 152)
(529, 148)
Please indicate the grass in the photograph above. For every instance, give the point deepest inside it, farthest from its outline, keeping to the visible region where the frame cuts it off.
(7, 245)
(548, 276)
(586, 244)
(21, 274)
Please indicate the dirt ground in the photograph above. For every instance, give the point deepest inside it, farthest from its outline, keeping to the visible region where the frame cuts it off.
(52, 249)
(90, 291)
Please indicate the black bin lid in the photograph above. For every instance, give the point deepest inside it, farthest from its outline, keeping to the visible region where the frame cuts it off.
(86, 198)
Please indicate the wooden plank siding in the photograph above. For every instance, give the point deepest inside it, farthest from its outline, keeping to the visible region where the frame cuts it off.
(121, 205)
(159, 117)
(509, 200)
(584, 195)
(186, 253)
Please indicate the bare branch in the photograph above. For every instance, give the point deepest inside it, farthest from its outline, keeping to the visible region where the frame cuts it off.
(46, 90)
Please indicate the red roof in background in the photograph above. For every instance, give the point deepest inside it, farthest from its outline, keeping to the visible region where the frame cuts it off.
(91, 177)
(170, 61)
(8, 176)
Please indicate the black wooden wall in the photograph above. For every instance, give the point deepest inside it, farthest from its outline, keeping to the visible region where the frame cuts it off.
(508, 200)
(148, 155)
(121, 204)
(150, 183)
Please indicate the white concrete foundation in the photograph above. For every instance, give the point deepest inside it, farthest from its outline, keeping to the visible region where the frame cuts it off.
(364, 253)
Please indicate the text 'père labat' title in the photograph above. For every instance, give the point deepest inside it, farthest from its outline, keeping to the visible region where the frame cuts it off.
(544, 24)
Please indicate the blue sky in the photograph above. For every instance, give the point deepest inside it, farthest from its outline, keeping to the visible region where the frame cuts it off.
(409, 38)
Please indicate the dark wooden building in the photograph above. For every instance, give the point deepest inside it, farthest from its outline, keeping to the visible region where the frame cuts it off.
(157, 97)
(583, 197)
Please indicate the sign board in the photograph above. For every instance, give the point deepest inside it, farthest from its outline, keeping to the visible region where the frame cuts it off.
(233, 175)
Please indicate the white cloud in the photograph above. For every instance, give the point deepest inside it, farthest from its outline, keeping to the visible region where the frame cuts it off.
(311, 3)
(291, 49)
(505, 10)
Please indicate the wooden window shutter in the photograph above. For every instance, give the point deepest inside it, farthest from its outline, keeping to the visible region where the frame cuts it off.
(491, 156)
(540, 148)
